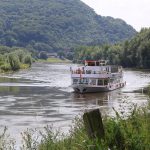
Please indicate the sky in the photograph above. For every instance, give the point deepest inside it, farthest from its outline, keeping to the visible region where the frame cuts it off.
(134, 12)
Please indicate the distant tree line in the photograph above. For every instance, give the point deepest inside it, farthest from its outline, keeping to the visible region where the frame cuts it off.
(131, 53)
(13, 59)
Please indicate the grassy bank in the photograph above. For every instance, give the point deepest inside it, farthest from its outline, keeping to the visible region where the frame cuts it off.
(120, 134)
(54, 60)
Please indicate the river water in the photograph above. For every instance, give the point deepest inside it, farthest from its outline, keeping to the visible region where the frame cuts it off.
(42, 96)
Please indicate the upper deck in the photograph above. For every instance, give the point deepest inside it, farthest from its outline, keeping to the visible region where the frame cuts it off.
(96, 69)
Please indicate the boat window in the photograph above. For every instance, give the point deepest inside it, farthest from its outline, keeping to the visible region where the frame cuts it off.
(75, 81)
(100, 82)
(114, 69)
(97, 63)
(91, 63)
(88, 71)
(86, 81)
(105, 82)
(83, 81)
(107, 69)
(93, 82)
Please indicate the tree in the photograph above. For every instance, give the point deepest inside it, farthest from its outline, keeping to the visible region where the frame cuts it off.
(14, 61)
(28, 59)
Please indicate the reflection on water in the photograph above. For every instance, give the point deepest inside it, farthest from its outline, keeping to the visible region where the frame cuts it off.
(42, 95)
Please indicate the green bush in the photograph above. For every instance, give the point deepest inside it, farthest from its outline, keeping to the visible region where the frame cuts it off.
(27, 60)
(1, 59)
(20, 53)
(18, 58)
(14, 61)
(5, 67)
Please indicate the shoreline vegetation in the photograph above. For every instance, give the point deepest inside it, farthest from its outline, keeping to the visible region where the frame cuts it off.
(14, 59)
(122, 132)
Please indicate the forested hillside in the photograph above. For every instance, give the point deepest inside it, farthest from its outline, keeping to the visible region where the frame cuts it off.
(131, 53)
(51, 25)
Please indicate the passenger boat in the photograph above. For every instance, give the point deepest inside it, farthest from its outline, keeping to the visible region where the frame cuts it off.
(97, 76)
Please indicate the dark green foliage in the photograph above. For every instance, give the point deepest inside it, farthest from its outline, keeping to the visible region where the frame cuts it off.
(137, 51)
(14, 62)
(5, 67)
(27, 60)
(107, 52)
(1, 60)
(4, 49)
(20, 54)
(51, 25)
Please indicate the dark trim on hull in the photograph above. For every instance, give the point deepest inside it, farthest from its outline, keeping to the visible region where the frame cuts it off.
(86, 89)
(90, 89)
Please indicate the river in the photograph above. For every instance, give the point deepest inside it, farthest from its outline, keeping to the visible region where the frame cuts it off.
(42, 96)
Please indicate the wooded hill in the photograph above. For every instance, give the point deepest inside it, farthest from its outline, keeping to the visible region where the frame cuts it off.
(51, 25)
(131, 53)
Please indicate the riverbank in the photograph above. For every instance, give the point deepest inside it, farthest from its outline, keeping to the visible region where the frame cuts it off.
(8, 69)
(22, 67)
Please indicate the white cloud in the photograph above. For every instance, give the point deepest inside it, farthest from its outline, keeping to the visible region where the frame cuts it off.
(134, 12)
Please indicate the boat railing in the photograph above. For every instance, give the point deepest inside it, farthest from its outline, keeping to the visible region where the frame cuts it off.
(96, 70)
(89, 72)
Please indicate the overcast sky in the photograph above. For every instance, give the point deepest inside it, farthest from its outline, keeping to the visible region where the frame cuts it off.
(134, 12)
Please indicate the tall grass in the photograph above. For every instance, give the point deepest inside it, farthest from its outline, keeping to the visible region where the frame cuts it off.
(6, 143)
